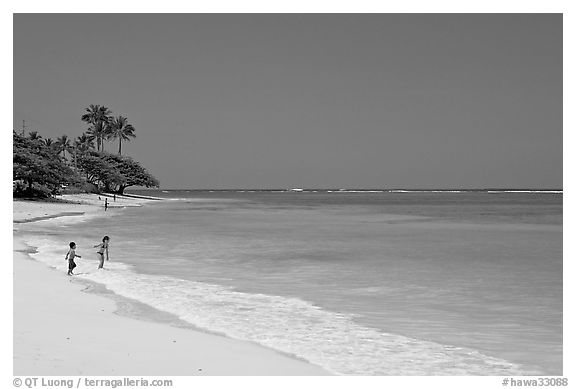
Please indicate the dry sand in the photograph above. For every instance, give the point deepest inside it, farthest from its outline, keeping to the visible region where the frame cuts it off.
(61, 330)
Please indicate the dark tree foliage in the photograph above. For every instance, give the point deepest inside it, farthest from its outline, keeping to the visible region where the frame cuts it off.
(114, 173)
(37, 170)
(98, 171)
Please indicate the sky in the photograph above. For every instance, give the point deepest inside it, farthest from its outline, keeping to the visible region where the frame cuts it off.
(306, 100)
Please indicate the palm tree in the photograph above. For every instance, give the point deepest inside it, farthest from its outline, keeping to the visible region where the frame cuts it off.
(98, 131)
(107, 134)
(84, 142)
(50, 144)
(121, 130)
(33, 135)
(98, 116)
(63, 145)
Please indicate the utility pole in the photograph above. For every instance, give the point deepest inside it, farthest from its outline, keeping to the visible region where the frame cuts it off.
(23, 126)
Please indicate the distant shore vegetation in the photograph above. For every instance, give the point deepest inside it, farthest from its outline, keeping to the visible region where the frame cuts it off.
(45, 167)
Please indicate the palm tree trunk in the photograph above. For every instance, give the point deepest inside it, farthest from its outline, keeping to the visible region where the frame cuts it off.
(119, 146)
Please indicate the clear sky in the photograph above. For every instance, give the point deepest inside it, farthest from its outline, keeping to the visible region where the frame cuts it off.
(314, 101)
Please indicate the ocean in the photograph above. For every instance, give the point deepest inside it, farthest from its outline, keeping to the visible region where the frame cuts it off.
(358, 282)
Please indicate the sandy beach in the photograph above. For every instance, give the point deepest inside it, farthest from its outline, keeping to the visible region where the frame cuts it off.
(59, 329)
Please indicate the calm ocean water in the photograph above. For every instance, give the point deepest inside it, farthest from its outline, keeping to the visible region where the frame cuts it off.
(375, 283)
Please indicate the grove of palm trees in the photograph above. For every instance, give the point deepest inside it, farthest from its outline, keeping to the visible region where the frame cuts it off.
(44, 167)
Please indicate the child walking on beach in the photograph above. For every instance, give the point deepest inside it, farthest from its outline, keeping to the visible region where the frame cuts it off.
(70, 258)
(103, 248)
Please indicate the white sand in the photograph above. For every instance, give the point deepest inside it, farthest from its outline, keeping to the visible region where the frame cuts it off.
(80, 203)
(60, 330)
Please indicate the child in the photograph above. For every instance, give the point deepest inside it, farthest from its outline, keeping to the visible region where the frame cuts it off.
(70, 258)
(103, 247)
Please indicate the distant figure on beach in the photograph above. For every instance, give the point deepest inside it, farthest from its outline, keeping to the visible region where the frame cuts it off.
(70, 258)
(103, 248)
(114, 197)
(106, 204)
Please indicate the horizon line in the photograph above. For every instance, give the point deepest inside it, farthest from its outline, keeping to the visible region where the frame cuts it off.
(365, 189)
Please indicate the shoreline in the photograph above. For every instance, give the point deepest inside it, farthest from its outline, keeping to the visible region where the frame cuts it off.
(85, 332)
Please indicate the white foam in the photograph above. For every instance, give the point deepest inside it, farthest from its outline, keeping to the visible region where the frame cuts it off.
(357, 191)
(426, 191)
(332, 340)
(526, 191)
